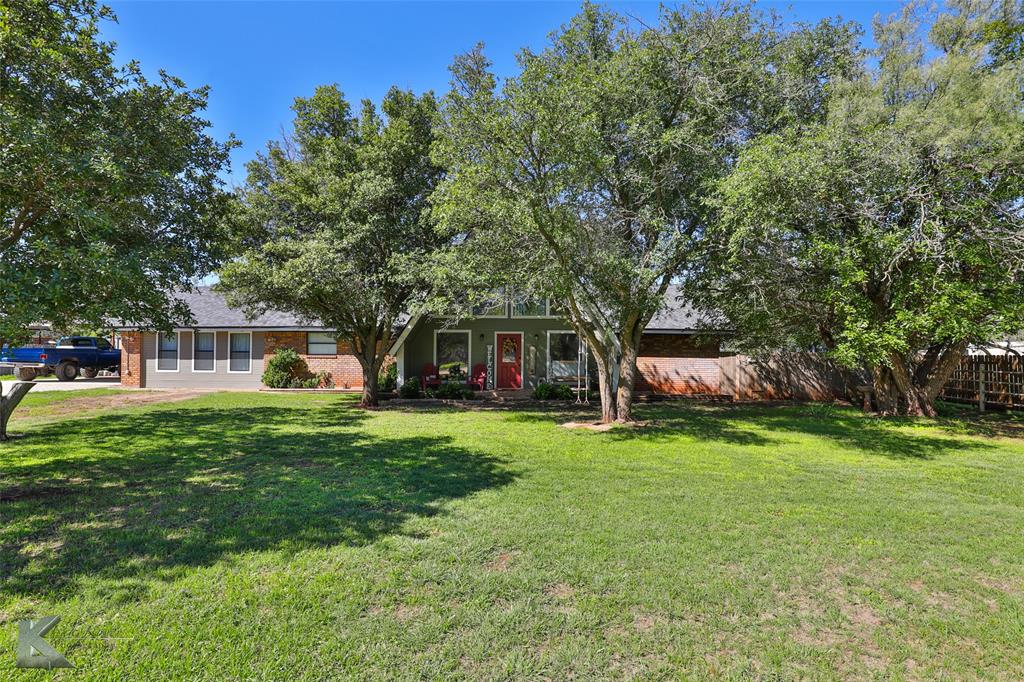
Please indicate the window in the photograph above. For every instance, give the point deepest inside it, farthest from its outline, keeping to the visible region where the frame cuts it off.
(240, 345)
(321, 343)
(202, 354)
(563, 355)
(534, 307)
(103, 344)
(496, 305)
(451, 351)
(484, 310)
(167, 353)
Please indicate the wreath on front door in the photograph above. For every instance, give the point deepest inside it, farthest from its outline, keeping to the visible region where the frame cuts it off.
(508, 350)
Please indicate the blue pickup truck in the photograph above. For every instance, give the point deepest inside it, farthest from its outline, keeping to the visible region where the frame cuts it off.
(73, 355)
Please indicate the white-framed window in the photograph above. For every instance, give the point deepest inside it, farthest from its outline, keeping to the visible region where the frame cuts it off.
(321, 343)
(167, 352)
(498, 310)
(451, 350)
(563, 355)
(531, 307)
(240, 352)
(204, 347)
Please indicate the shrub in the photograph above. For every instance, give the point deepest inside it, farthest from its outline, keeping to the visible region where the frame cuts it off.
(411, 388)
(388, 379)
(546, 391)
(284, 368)
(453, 370)
(452, 391)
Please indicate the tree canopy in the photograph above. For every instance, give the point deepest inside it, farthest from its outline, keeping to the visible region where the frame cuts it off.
(584, 176)
(332, 220)
(892, 232)
(110, 195)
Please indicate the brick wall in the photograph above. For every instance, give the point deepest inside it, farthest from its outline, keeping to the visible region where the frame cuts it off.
(131, 360)
(678, 364)
(344, 368)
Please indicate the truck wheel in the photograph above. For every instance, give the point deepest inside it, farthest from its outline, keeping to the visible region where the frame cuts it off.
(25, 373)
(89, 372)
(67, 371)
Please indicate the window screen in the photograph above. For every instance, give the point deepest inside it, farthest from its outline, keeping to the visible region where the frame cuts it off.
(452, 351)
(565, 354)
(239, 357)
(321, 343)
(530, 308)
(167, 353)
(202, 356)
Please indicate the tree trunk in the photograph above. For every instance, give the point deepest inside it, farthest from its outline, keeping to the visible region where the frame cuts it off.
(9, 402)
(607, 381)
(369, 398)
(627, 378)
(901, 390)
(885, 390)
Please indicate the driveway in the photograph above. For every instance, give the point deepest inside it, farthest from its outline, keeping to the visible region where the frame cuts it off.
(79, 384)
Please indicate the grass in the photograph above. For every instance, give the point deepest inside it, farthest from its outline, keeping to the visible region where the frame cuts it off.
(268, 536)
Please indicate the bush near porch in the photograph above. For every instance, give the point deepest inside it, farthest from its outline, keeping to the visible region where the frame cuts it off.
(722, 541)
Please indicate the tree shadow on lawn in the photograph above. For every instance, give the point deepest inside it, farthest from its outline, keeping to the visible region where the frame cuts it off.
(176, 488)
(732, 424)
(667, 424)
(888, 437)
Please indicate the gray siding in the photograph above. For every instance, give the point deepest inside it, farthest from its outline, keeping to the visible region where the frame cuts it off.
(419, 346)
(185, 377)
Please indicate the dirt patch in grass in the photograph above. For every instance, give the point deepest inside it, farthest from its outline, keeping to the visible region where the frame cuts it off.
(559, 591)
(500, 563)
(89, 404)
(1011, 587)
(602, 427)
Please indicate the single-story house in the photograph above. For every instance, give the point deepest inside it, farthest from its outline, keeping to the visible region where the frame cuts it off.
(519, 344)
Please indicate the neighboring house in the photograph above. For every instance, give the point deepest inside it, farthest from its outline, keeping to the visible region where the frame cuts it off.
(524, 344)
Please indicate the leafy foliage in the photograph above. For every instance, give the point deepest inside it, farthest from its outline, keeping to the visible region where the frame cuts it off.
(891, 232)
(451, 390)
(283, 368)
(387, 380)
(411, 388)
(584, 176)
(546, 391)
(109, 196)
(332, 221)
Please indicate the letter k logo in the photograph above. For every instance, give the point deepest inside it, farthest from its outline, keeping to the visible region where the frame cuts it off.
(33, 651)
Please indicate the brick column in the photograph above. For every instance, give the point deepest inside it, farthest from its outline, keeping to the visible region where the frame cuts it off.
(132, 366)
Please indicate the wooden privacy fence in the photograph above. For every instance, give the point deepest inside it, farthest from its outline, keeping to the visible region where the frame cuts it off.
(986, 380)
(787, 376)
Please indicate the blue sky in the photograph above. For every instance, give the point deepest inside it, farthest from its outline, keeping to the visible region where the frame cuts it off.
(257, 57)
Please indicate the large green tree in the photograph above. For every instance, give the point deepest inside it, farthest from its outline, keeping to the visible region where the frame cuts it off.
(584, 176)
(110, 196)
(891, 233)
(333, 220)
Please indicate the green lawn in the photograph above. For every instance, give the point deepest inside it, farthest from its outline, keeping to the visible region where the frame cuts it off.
(270, 536)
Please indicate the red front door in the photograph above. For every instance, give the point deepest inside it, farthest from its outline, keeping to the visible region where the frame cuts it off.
(510, 360)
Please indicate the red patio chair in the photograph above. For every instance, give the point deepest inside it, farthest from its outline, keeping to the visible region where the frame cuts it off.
(429, 377)
(478, 379)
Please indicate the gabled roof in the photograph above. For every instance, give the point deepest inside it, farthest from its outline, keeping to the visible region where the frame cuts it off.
(211, 311)
(678, 315)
